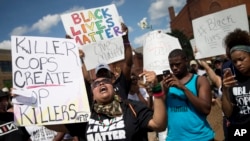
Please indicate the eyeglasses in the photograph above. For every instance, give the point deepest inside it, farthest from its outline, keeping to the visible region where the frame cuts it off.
(104, 81)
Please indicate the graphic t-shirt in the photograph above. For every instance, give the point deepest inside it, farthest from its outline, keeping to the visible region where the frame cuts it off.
(104, 128)
(239, 127)
(240, 96)
(9, 131)
(126, 127)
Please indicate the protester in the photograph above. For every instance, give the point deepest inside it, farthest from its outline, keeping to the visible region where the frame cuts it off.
(122, 83)
(113, 118)
(8, 130)
(195, 68)
(139, 93)
(188, 101)
(136, 92)
(235, 98)
(215, 118)
(218, 62)
(215, 80)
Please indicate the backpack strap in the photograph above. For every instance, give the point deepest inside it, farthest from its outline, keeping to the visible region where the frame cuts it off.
(130, 107)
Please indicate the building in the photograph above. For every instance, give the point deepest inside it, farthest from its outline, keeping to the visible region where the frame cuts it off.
(5, 68)
(198, 8)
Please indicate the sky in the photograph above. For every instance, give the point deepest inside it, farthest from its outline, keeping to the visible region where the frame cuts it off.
(42, 17)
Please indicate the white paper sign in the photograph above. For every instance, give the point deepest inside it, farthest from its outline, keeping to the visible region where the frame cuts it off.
(93, 25)
(107, 51)
(156, 48)
(48, 71)
(210, 30)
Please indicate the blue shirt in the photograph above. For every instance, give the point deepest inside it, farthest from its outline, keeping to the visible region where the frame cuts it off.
(184, 121)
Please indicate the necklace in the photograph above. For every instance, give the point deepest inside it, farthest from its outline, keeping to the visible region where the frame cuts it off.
(103, 124)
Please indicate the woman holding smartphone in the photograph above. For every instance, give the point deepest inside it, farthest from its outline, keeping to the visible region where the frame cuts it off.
(236, 94)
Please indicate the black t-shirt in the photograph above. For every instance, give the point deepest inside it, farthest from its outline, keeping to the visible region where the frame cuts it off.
(123, 86)
(9, 131)
(240, 117)
(128, 127)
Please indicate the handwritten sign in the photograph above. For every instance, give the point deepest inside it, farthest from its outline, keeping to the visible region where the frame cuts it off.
(107, 51)
(92, 25)
(48, 72)
(40, 133)
(210, 30)
(156, 48)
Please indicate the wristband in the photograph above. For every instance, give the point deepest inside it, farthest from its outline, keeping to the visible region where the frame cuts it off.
(128, 43)
(157, 88)
(157, 91)
(159, 94)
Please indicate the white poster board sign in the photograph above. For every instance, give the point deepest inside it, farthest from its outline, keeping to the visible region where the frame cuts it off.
(210, 30)
(93, 25)
(48, 80)
(107, 51)
(196, 50)
(156, 48)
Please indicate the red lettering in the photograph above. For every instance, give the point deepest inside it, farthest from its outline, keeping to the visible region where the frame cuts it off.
(75, 33)
(76, 19)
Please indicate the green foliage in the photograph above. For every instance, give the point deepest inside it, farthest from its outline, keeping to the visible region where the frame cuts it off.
(7, 83)
(184, 41)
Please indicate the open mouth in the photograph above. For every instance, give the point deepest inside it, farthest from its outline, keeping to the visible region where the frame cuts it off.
(103, 89)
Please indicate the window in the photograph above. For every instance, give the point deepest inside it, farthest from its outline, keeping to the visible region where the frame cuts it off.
(5, 66)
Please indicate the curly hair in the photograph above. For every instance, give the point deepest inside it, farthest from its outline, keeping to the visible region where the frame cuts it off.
(236, 37)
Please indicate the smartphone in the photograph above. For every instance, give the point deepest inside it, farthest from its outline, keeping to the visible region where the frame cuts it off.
(228, 70)
(166, 73)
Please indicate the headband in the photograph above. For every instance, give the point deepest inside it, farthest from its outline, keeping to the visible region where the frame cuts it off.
(244, 48)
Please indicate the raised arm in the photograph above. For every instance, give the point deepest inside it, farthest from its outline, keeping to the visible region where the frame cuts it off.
(211, 74)
(159, 119)
(128, 61)
(228, 81)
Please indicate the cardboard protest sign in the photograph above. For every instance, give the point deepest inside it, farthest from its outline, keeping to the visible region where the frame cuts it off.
(93, 25)
(107, 51)
(156, 48)
(210, 30)
(48, 80)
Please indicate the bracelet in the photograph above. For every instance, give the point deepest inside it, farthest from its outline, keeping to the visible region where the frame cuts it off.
(157, 91)
(160, 94)
(157, 88)
(128, 43)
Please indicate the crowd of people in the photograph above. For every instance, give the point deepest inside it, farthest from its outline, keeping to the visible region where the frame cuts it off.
(128, 105)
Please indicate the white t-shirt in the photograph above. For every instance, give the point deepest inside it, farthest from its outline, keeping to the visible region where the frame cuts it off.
(143, 92)
(201, 72)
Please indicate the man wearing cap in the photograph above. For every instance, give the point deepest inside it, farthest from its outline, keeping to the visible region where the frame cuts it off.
(195, 68)
(8, 130)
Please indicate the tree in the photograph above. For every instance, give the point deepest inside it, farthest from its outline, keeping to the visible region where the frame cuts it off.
(184, 41)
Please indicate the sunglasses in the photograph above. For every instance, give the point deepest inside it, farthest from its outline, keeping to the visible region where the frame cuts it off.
(103, 81)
